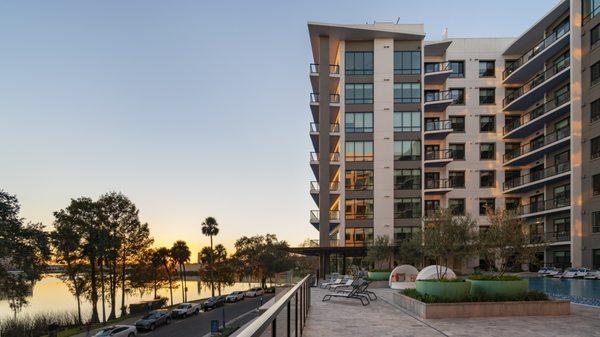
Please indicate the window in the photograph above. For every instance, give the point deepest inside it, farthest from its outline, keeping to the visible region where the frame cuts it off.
(487, 96)
(357, 180)
(595, 110)
(487, 68)
(359, 93)
(407, 62)
(595, 72)
(512, 204)
(407, 121)
(404, 233)
(359, 122)
(562, 195)
(458, 123)
(457, 179)
(595, 147)
(595, 34)
(407, 208)
(407, 150)
(487, 151)
(457, 206)
(358, 237)
(595, 222)
(359, 209)
(487, 178)
(487, 124)
(596, 184)
(407, 179)
(359, 151)
(458, 69)
(431, 206)
(485, 203)
(562, 228)
(359, 63)
(458, 95)
(458, 151)
(596, 258)
(407, 92)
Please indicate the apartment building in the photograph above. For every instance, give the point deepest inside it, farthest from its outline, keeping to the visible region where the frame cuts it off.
(403, 126)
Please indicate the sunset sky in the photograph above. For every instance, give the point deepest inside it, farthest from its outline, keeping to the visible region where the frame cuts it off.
(190, 108)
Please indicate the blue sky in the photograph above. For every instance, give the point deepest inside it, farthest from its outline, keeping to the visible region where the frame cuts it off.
(191, 108)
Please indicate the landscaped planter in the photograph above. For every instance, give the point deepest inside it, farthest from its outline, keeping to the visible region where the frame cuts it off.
(379, 275)
(449, 290)
(492, 288)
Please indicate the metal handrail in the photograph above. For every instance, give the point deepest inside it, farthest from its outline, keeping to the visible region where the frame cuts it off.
(557, 236)
(438, 96)
(301, 293)
(524, 149)
(333, 69)
(539, 47)
(438, 125)
(544, 205)
(537, 112)
(590, 15)
(434, 67)
(537, 175)
(438, 154)
(333, 215)
(333, 98)
(433, 184)
(333, 156)
(536, 81)
(333, 127)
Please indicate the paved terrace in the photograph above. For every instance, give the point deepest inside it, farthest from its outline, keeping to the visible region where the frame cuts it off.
(346, 317)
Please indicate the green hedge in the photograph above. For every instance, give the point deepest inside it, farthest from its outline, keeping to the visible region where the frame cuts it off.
(529, 296)
(487, 277)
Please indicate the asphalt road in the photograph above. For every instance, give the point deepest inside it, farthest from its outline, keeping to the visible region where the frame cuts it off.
(197, 326)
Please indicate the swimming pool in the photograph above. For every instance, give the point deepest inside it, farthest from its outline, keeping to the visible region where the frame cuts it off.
(575, 290)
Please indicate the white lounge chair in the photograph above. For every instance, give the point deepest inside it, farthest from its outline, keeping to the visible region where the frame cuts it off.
(342, 285)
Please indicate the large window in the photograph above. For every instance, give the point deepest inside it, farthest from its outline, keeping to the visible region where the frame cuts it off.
(359, 122)
(487, 123)
(407, 92)
(457, 206)
(404, 233)
(458, 123)
(407, 179)
(458, 151)
(407, 150)
(407, 62)
(595, 111)
(595, 73)
(458, 69)
(596, 184)
(487, 151)
(487, 68)
(562, 228)
(595, 222)
(407, 121)
(595, 34)
(457, 179)
(458, 95)
(485, 203)
(407, 208)
(595, 147)
(512, 204)
(359, 63)
(358, 237)
(357, 180)
(359, 93)
(359, 151)
(487, 178)
(487, 96)
(359, 209)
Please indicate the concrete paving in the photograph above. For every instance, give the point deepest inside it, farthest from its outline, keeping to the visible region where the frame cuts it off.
(346, 317)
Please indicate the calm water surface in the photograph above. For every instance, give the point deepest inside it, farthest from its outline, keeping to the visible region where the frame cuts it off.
(566, 287)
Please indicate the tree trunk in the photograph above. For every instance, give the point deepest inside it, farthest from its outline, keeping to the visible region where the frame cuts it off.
(102, 287)
(212, 262)
(123, 309)
(113, 290)
(94, 291)
(181, 282)
(170, 282)
(78, 308)
(184, 282)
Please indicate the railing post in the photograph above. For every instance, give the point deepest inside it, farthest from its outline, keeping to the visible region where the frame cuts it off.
(289, 313)
(274, 328)
(301, 311)
(296, 315)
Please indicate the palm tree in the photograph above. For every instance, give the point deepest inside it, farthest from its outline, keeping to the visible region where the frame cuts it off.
(164, 256)
(181, 253)
(210, 228)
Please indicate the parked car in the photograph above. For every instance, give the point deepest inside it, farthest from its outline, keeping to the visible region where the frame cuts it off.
(253, 292)
(270, 290)
(213, 302)
(153, 319)
(117, 331)
(235, 296)
(185, 309)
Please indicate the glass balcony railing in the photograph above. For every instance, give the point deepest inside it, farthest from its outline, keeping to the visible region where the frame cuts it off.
(436, 184)
(436, 96)
(538, 48)
(559, 236)
(437, 67)
(438, 155)
(537, 144)
(333, 157)
(537, 112)
(333, 127)
(333, 215)
(315, 187)
(536, 175)
(536, 81)
(544, 205)
(333, 98)
(438, 125)
(334, 69)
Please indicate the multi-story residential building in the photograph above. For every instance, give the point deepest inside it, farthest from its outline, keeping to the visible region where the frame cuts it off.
(403, 126)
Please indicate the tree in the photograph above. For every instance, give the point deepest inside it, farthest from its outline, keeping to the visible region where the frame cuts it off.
(263, 256)
(410, 251)
(506, 241)
(181, 253)
(210, 228)
(381, 252)
(164, 255)
(447, 237)
(223, 268)
(24, 250)
(159, 279)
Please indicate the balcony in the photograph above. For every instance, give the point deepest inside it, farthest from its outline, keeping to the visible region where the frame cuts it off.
(544, 207)
(334, 131)
(334, 187)
(438, 101)
(334, 75)
(334, 104)
(560, 237)
(591, 15)
(334, 158)
(536, 88)
(331, 242)
(536, 149)
(437, 73)
(536, 179)
(437, 186)
(437, 129)
(334, 218)
(536, 118)
(438, 158)
(535, 58)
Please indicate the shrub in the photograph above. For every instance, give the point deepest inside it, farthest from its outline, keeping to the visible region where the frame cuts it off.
(487, 277)
(529, 296)
(381, 270)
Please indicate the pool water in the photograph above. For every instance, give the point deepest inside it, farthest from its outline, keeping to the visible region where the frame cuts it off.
(575, 290)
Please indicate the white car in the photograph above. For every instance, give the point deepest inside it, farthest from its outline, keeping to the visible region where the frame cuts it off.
(185, 309)
(570, 273)
(235, 296)
(117, 331)
(581, 272)
(253, 292)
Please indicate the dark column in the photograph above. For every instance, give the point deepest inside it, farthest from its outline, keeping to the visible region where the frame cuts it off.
(324, 147)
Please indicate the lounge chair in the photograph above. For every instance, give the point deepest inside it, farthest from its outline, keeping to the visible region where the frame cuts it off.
(337, 286)
(324, 285)
(362, 290)
(353, 294)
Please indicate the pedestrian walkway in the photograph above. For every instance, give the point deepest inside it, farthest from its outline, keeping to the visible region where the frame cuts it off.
(346, 317)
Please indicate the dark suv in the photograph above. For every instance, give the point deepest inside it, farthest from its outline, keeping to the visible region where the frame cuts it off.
(152, 320)
(213, 302)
